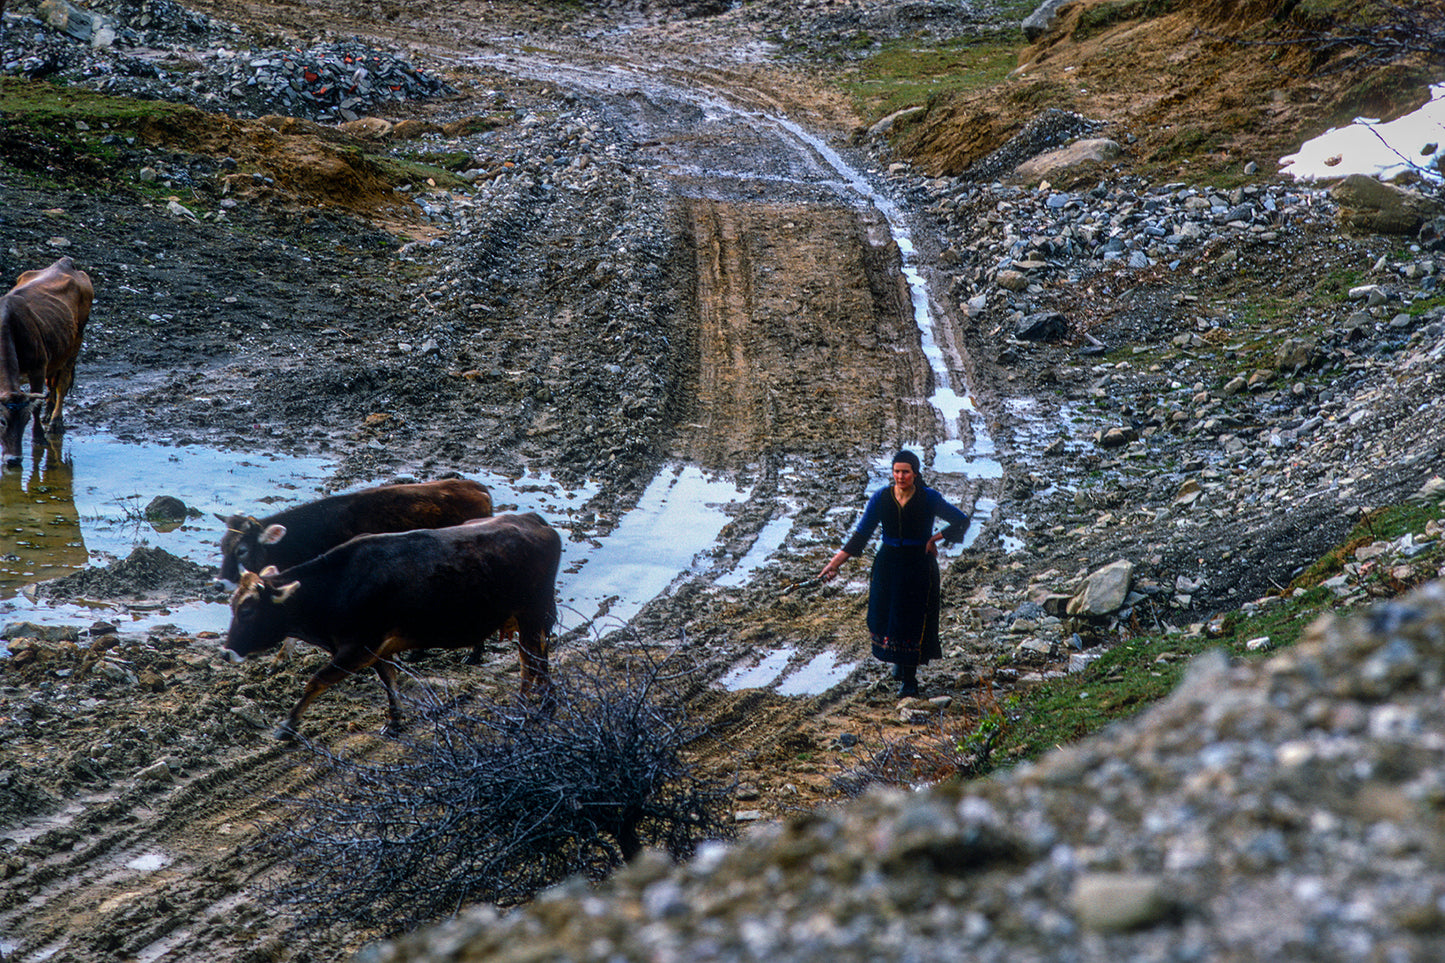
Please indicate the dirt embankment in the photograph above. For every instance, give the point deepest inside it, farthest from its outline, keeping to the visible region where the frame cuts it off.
(632, 274)
(1200, 89)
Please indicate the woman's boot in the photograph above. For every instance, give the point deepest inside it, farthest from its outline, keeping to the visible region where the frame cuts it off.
(909, 686)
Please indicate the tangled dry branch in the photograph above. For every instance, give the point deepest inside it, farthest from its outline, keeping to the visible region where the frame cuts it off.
(495, 806)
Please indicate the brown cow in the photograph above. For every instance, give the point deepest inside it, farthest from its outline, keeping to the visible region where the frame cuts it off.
(303, 532)
(380, 595)
(42, 320)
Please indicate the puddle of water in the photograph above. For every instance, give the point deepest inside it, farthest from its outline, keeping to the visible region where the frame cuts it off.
(764, 673)
(61, 513)
(817, 677)
(191, 617)
(679, 515)
(1370, 147)
(769, 541)
(149, 862)
(985, 507)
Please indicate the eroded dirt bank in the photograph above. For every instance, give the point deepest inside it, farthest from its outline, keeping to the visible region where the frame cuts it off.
(643, 267)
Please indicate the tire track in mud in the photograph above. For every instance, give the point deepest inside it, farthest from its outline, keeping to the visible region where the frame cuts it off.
(157, 870)
(171, 870)
(802, 340)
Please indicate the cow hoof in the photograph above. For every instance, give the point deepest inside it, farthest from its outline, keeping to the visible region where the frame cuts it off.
(285, 733)
(475, 658)
(393, 729)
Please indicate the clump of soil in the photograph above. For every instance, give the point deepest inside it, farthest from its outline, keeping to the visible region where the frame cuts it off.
(145, 573)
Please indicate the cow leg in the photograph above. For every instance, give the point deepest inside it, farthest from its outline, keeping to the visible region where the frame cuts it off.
(532, 650)
(386, 672)
(325, 677)
(59, 385)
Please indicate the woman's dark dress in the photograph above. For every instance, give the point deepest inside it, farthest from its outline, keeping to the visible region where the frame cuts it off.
(903, 590)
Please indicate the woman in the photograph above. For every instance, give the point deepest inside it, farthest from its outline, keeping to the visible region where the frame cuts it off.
(903, 590)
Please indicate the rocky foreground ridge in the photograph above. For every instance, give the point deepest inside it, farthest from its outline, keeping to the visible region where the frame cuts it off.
(1281, 810)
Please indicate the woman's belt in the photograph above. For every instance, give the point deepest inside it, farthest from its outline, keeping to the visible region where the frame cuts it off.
(904, 542)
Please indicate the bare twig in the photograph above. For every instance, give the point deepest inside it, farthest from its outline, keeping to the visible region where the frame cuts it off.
(494, 803)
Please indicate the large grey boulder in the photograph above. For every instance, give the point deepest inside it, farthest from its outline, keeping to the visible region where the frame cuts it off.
(1037, 24)
(1104, 591)
(1051, 166)
(1366, 204)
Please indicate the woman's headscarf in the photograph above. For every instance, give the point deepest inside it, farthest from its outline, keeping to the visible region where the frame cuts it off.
(904, 455)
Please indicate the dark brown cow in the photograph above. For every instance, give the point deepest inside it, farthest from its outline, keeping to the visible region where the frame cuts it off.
(42, 321)
(380, 595)
(297, 534)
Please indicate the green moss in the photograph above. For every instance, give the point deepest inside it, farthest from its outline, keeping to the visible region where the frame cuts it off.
(1145, 668)
(398, 171)
(454, 161)
(908, 73)
(50, 106)
(1100, 18)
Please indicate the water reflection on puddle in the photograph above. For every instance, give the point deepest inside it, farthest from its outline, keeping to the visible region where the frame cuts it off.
(83, 502)
(679, 516)
(820, 674)
(765, 672)
(62, 514)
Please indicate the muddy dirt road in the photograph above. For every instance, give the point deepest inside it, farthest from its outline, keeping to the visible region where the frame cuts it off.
(664, 288)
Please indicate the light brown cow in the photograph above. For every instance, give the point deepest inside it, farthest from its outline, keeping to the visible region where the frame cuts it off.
(42, 321)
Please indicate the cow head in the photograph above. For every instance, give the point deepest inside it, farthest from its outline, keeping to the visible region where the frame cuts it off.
(242, 545)
(16, 407)
(258, 614)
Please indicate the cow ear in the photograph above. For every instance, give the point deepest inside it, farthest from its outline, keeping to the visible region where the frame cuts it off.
(284, 592)
(272, 534)
(223, 519)
(269, 571)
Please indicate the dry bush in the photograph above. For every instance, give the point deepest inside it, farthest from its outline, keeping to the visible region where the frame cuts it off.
(495, 805)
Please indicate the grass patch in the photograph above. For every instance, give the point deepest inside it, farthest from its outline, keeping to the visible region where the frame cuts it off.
(48, 106)
(1147, 667)
(404, 171)
(906, 73)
